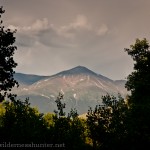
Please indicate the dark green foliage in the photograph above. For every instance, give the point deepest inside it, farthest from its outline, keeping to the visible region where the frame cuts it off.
(60, 106)
(138, 127)
(7, 63)
(139, 81)
(67, 129)
(106, 123)
(73, 114)
(21, 123)
(139, 101)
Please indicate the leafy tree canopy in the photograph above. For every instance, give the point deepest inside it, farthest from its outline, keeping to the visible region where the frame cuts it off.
(139, 80)
(7, 63)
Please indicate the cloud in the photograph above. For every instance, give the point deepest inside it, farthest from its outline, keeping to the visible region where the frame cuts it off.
(80, 23)
(40, 31)
(103, 29)
(74, 34)
(28, 35)
(38, 25)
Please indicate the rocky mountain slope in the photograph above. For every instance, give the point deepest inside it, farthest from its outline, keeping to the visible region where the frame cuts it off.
(81, 88)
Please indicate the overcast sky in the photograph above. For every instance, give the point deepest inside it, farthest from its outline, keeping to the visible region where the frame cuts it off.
(56, 35)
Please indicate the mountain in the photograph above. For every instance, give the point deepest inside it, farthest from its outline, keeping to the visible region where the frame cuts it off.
(81, 88)
(28, 79)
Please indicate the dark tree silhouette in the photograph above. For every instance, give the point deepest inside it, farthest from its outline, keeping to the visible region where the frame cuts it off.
(106, 123)
(139, 80)
(60, 106)
(68, 129)
(7, 63)
(21, 123)
(139, 101)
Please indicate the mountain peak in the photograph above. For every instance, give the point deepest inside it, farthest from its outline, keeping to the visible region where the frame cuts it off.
(78, 70)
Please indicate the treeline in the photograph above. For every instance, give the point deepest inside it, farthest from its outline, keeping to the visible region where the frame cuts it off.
(117, 124)
(20, 123)
(107, 127)
(104, 127)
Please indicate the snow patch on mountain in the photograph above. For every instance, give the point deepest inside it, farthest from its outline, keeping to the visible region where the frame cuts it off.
(62, 91)
(74, 95)
(25, 89)
(46, 80)
(45, 96)
(52, 96)
(81, 79)
(99, 86)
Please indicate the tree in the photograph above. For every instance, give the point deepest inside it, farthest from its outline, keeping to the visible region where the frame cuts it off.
(7, 63)
(138, 82)
(21, 123)
(68, 129)
(106, 123)
(60, 106)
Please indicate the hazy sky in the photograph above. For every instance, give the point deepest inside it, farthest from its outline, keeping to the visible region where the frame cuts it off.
(56, 35)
